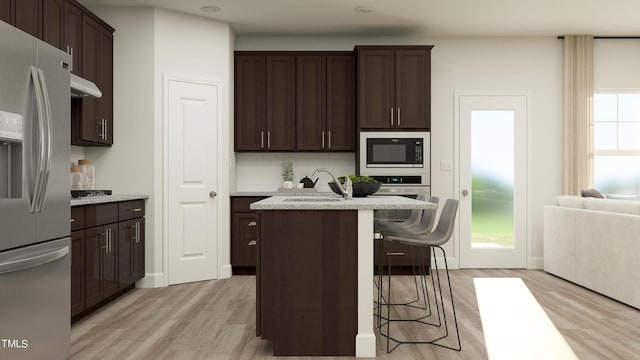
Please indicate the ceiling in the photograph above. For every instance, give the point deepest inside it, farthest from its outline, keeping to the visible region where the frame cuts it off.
(413, 17)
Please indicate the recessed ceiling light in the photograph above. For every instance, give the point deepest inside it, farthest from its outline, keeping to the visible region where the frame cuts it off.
(364, 9)
(210, 9)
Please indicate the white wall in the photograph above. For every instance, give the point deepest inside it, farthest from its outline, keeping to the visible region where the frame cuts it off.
(194, 46)
(127, 167)
(615, 64)
(533, 65)
(263, 171)
(149, 42)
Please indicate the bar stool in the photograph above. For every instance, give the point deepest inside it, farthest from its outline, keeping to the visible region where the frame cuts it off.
(423, 226)
(419, 241)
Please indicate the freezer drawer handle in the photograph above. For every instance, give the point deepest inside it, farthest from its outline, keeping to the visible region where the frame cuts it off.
(33, 261)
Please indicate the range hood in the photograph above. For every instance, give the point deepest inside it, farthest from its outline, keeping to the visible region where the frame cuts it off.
(82, 88)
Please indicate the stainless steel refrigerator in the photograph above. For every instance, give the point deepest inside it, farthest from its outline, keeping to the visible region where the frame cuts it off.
(34, 198)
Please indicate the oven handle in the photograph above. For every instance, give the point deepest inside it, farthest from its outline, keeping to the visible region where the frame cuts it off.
(33, 261)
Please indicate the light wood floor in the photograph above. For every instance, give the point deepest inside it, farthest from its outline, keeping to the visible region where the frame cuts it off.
(215, 320)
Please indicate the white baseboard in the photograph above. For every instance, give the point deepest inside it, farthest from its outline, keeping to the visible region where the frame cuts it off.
(224, 272)
(536, 263)
(152, 281)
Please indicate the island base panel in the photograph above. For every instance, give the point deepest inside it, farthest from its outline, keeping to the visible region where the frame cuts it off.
(308, 281)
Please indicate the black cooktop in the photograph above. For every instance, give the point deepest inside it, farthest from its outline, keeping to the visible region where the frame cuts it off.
(87, 193)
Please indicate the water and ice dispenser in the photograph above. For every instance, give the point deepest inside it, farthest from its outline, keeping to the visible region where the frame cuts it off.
(11, 138)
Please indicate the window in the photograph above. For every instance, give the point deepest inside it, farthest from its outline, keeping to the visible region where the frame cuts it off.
(617, 142)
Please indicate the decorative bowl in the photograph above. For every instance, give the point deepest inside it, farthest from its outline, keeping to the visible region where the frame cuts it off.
(359, 189)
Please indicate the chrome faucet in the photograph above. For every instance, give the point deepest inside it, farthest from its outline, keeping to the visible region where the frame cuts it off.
(346, 190)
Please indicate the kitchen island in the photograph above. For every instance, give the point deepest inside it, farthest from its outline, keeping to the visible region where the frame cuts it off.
(315, 273)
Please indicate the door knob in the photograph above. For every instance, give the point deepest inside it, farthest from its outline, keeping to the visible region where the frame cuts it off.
(465, 192)
(212, 194)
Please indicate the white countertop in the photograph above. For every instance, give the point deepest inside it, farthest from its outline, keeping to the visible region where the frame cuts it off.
(89, 200)
(370, 202)
(276, 193)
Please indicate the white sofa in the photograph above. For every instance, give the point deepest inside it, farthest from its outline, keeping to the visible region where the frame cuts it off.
(595, 243)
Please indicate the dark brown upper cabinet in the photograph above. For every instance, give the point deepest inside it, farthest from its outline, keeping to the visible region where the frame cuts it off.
(394, 87)
(341, 102)
(311, 102)
(280, 125)
(26, 15)
(264, 103)
(325, 108)
(249, 98)
(294, 101)
(5, 10)
(52, 22)
(91, 118)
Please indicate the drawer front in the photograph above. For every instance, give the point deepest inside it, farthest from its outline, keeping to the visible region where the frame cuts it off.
(245, 228)
(400, 254)
(130, 209)
(101, 214)
(241, 203)
(77, 218)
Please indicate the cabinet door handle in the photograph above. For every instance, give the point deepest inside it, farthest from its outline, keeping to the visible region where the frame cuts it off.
(253, 223)
(268, 139)
(329, 139)
(398, 116)
(323, 139)
(252, 243)
(391, 116)
(72, 220)
(395, 254)
(262, 139)
(138, 229)
(136, 209)
(106, 241)
(106, 129)
(110, 241)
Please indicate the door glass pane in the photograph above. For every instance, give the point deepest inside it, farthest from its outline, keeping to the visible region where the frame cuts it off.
(492, 178)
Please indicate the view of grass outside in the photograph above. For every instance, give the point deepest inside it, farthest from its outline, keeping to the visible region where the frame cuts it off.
(492, 178)
(492, 220)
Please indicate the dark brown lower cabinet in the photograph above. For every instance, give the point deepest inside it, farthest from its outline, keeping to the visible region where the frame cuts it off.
(399, 256)
(107, 253)
(77, 272)
(245, 231)
(307, 282)
(130, 252)
(101, 259)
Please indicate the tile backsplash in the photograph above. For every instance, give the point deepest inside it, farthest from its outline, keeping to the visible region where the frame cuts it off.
(262, 171)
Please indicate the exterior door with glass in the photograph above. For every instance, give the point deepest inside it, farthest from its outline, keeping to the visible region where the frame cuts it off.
(493, 181)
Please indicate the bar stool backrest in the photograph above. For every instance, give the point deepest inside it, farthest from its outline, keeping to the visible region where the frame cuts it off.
(444, 230)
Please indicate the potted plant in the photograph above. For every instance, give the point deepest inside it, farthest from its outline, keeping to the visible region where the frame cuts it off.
(287, 175)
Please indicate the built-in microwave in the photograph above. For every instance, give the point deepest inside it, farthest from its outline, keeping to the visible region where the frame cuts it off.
(399, 155)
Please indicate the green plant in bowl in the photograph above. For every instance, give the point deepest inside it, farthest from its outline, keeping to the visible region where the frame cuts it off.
(362, 185)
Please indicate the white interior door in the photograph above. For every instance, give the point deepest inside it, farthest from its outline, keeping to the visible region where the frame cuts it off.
(192, 110)
(493, 181)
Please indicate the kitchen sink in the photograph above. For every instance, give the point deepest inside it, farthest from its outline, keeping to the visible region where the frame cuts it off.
(313, 200)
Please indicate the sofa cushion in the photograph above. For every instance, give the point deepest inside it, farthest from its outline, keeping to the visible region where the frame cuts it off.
(617, 206)
(570, 201)
(592, 193)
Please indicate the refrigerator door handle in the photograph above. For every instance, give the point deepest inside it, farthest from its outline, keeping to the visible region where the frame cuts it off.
(41, 149)
(33, 261)
(47, 139)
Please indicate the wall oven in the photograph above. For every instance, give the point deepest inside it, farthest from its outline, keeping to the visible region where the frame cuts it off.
(399, 158)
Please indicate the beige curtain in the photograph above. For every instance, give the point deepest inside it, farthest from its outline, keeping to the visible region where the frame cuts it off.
(578, 113)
